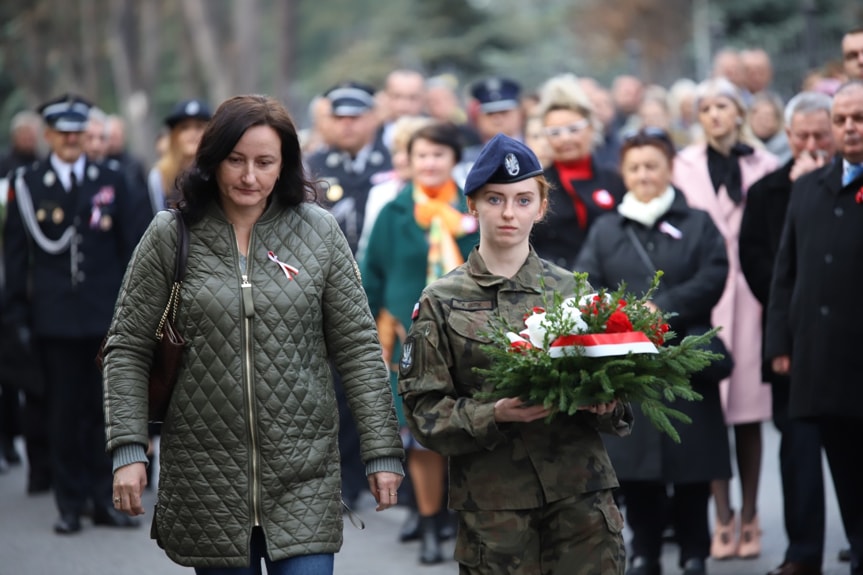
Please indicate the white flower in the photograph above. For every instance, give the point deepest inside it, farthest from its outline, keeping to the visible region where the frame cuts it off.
(588, 299)
(536, 329)
(571, 311)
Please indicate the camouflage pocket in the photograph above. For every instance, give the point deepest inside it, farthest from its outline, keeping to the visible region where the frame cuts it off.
(611, 513)
(472, 325)
(468, 549)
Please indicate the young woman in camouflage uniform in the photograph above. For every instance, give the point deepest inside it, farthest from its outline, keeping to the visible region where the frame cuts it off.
(534, 498)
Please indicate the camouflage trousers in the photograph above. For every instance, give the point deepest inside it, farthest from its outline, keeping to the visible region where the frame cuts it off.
(579, 535)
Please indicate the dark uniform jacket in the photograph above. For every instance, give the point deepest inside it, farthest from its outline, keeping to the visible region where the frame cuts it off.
(65, 252)
(695, 267)
(559, 237)
(760, 232)
(495, 466)
(345, 191)
(814, 314)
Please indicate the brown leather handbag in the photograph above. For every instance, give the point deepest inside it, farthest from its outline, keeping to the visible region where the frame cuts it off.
(169, 350)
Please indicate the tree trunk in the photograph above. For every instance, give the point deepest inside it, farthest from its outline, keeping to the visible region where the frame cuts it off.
(247, 45)
(90, 48)
(206, 50)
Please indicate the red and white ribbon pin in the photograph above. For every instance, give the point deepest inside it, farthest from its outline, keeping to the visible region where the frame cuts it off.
(290, 271)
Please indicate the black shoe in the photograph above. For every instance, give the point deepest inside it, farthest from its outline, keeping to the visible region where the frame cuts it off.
(9, 453)
(447, 525)
(430, 549)
(644, 566)
(67, 524)
(410, 530)
(38, 486)
(694, 566)
(110, 517)
(845, 555)
(668, 535)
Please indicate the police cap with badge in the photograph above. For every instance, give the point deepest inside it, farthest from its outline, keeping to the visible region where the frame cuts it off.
(188, 110)
(67, 113)
(351, 99)
(503, 160)
(496, 94)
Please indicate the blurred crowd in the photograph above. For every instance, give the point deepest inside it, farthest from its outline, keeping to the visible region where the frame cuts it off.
(391, 160)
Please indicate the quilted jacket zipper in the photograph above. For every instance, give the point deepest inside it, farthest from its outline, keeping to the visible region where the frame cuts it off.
(248, 309)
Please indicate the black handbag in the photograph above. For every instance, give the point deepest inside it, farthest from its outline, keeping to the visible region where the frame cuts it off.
(717, 370)
(169, 350)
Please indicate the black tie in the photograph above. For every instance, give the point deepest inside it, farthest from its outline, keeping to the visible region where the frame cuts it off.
(73, 182)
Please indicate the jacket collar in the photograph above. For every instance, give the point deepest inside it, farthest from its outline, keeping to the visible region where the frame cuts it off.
(527, 278)
(831, 176)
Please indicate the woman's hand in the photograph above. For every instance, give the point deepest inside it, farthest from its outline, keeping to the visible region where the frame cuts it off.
(385, 488)
(129, 483)
(513, 409)
(601, 408)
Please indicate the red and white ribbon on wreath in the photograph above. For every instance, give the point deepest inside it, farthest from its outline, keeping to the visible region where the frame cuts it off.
(290, 271)
(602, 344)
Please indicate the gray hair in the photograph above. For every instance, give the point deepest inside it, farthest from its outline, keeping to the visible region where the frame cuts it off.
(807, 103)
(25, 118)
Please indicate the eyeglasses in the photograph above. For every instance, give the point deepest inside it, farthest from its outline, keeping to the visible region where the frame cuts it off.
(571, 129)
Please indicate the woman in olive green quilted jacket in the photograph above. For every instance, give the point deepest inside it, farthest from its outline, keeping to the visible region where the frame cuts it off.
(249, 450)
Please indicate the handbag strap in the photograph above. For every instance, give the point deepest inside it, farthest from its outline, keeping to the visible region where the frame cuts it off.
(182, 247)
(639, 249)
(173, 304)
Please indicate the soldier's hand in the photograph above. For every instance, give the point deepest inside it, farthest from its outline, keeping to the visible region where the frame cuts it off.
(129, 483)
(601, 408)
(513, 409)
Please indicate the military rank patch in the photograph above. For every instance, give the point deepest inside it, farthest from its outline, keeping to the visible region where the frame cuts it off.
(407, 361)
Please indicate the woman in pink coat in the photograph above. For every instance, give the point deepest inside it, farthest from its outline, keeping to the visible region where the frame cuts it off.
(715, 176)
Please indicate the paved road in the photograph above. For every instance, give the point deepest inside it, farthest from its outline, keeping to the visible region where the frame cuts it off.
(29, 547)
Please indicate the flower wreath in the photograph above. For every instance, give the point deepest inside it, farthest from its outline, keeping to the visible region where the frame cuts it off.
(595, 347)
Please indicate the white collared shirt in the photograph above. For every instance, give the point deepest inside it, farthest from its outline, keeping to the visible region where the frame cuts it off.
(64, 170)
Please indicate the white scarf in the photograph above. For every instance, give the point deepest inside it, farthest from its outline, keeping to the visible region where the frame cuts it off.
(646, 213)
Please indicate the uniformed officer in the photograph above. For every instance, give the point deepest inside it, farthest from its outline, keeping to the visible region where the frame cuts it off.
(532, 496)
(499, 108)
(72, 226)
(355, 161)
(495, 108)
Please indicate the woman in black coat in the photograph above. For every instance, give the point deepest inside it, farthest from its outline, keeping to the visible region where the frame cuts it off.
(653, 229)
(582, 190)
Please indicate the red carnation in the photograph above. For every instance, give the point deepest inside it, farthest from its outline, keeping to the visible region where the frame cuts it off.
(618, 322)
(859, 196)
(520, 346)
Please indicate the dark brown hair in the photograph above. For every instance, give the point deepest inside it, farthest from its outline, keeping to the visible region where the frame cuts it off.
(656, 137)
(441, 133)
(231, 120)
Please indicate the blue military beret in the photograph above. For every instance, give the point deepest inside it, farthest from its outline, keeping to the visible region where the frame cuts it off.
(351, 99)
(503, 160)
(496, 94)
(68, 113)
(189, 110)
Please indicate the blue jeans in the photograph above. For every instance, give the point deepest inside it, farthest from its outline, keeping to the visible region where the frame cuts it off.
(302, 565)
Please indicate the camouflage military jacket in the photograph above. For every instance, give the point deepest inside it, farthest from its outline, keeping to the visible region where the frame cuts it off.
(495, 466)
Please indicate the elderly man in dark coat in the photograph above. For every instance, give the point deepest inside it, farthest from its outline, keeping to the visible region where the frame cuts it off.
(813, 321)
(809, 134)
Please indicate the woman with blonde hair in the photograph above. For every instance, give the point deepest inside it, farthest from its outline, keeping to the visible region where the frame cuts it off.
(581, 189)
(185, 125)
(715, 176)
